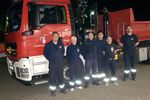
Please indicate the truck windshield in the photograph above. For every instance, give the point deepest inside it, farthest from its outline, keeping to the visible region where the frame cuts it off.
(46, 14)
(14, 16)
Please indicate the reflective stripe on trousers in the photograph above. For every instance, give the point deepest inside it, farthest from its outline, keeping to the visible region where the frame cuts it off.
(53, 88)
(62, 86)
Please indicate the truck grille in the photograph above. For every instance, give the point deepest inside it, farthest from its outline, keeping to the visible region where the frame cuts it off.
(24, 75)
(18, 73)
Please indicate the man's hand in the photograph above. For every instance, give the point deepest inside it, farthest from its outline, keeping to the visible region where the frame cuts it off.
(137, 44)
(121, 44)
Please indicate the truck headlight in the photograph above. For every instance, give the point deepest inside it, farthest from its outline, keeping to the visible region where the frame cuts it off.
(24, 70)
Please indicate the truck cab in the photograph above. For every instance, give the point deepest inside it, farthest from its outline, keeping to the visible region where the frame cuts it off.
(29, 26)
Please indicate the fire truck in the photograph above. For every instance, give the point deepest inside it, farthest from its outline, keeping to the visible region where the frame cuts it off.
(114, 24)
(2, 47)
(29, 26)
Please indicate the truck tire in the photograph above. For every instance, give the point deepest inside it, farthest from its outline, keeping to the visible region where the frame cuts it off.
(29, 83)
(66, 70)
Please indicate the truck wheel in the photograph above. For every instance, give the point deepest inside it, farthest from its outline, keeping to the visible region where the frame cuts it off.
(66, 73)
(66, 70)
(29, 83)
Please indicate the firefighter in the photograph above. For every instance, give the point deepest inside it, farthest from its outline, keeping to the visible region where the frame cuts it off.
(54, 53)
(110, 63)
(90, 56)
(100, 42)
(129, 42)
(75, 65)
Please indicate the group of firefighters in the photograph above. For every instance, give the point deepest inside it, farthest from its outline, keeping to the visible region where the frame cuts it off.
(99, 55)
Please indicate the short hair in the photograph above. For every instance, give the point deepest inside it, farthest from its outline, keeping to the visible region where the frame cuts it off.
(129, 26)
(73, 37)
(99, 32)
(108, 37)
(53, 33)
(90, 33)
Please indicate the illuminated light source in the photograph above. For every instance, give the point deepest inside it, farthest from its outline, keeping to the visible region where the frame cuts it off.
(92, 13)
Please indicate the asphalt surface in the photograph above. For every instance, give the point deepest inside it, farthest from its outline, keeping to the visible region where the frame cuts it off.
(11, 89)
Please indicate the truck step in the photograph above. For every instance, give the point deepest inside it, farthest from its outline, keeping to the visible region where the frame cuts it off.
(41, 82)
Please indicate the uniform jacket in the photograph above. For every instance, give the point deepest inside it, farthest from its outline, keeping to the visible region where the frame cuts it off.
(54, 52)
(110, 51)
(89, 50)
(129, 42)
(73, 53)
(100, 44)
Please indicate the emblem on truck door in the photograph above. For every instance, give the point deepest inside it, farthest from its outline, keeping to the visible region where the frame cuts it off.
(42, 39)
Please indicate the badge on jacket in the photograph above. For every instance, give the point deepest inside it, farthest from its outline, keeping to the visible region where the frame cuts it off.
(132, 39)
(60, 47)
(78, 50)
(112, 49)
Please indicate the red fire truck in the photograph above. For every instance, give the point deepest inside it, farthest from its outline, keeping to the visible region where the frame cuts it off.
(115, 26)
(2, 48)
(30, 24)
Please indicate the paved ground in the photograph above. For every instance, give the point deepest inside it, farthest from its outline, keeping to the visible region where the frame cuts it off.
(11, 89)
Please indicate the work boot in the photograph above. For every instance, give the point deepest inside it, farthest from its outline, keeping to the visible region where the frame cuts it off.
(86, 84)
(53, 93)
(115, 83)
(72, 89)
(63, 91)
(95, 82)
(106, 84)
(126, 76)
(100, 80)
(80, 87)
(133, 76)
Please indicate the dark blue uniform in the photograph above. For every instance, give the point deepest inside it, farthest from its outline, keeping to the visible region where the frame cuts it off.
(100, 57)
(110, 63)
(90, 55)
(75, 65)
(129, 50)
(54, 53)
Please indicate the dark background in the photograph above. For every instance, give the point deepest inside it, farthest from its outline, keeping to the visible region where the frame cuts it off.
(141, 8)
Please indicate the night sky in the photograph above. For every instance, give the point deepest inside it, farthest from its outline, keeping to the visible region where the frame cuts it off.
(4, 6)
(140, 7)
